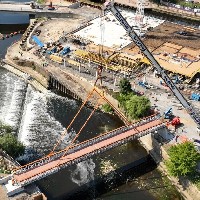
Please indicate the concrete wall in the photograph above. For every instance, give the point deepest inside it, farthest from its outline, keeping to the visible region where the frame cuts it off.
(158, 152)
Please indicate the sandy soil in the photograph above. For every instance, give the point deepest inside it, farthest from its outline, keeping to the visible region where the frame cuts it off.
(167, 32)
(53, 29)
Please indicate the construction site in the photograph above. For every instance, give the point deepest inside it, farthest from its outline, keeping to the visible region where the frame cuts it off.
(92, 51)
(93, 41)
(175, 47)
(98, 47)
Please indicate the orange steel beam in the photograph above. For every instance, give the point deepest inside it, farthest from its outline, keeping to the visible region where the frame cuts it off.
(52, 152)
(70, 147)
(64, 149)
(97, 105)
(64, 133)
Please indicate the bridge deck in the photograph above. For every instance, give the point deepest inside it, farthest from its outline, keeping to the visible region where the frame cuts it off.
(56, 163)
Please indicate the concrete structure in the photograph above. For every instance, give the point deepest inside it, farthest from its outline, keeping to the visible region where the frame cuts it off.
(26, 9)
(114, 39)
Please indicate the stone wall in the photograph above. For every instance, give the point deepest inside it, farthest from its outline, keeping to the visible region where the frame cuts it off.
(158, 152)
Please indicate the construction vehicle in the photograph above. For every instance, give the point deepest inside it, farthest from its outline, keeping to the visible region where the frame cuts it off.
(195, 96)
(143, 84)
(51, 7)
(32, 5)
(174, 122)
(52, 50)
(168, 113)
(109, 6)
(66, 50)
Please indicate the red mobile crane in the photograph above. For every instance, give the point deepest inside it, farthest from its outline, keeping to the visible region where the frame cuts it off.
(109, 6)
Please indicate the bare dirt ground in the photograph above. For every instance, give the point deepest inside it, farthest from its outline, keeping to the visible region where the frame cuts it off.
(171, 44)
(168, 32)
(53, 29)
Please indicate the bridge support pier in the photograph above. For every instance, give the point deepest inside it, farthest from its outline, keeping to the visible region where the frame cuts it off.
(11, 189)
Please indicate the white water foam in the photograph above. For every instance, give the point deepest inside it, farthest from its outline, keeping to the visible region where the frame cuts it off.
(84, 172)
(12, 90)
(40, 131)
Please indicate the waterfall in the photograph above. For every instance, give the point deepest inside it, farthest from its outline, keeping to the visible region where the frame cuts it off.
(26, 110)
(39, 131)
(12, 93)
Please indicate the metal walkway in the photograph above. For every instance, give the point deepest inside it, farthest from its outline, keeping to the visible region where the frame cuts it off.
(50, 164)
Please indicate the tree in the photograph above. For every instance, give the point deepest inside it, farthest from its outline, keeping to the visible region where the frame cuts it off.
(137, 106)
(125, 86)
(183, 159)
(9, 143)
(123, 98)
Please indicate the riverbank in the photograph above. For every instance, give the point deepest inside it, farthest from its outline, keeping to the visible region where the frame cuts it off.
(75, 79)
(159, 153)
(187, 193)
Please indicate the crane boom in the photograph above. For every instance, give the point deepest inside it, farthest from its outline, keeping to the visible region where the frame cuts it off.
(110, 6)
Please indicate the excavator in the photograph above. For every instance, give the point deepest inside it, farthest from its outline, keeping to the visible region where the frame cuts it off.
(109, 6)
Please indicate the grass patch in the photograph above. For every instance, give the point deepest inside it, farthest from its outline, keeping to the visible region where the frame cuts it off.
(107, 108)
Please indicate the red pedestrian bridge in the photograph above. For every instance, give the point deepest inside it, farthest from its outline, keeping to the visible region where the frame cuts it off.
(54, 162)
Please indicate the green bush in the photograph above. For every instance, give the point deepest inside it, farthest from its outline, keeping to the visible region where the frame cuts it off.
(125, 86)
(183, 159)
(5, 128)
(9, 143)
(137, 107)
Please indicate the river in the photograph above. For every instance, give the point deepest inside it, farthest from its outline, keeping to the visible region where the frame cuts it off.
(39, 120)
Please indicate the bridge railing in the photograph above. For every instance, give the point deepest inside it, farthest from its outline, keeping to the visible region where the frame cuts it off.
(84, 144)
(110, 134)
(94, 152)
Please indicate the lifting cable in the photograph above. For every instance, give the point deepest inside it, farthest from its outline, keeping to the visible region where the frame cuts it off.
(96, 106)
(117, 111)
(62, 136)
(64, 133)
(102, 27)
